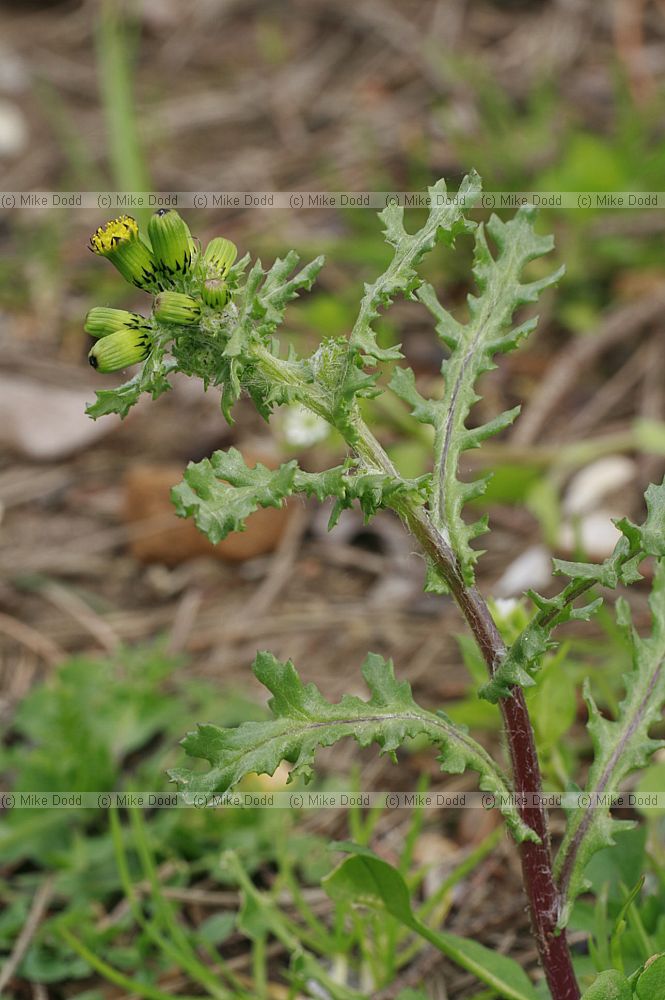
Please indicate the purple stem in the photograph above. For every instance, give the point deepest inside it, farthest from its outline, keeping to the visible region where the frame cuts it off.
(536, 860)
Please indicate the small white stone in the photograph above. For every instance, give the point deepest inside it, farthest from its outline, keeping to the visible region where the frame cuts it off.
(45, 422)
(597, 481)
(531, 570)
(13, 129)
(594, 533)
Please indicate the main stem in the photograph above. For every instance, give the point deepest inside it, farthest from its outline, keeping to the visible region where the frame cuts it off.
(535, 858)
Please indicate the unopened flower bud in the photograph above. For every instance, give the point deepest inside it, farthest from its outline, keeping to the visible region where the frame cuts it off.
(101, 320)
(125, 347)
(119, 242)
(215, 293)
(171, 242)
(174, 307)
(221, 254)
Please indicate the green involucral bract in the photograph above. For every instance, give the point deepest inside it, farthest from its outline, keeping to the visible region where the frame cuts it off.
(171, 243)
(121, 349)
(176, 308)
(101, 321)
(215, 293)
(220, 254)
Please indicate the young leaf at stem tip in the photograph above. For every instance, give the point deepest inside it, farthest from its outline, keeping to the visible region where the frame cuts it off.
(472, 347)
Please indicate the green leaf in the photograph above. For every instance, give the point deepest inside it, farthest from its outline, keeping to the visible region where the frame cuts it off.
(525, 656)
(262, 302)
(303, 720)
(222, 491)
(613, 868)
(227, 352)
(427, 411)
(217, 928)
(620, 747)
(610, 985)
(279, 288)
(338, 374)
(445, 221)
(340, 364)
(472, 348)
(552, 706)
(653, 529)
(650, 984)
(152, 378)
(367, 880)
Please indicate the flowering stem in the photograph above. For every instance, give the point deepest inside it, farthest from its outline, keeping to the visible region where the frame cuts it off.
(535, 858)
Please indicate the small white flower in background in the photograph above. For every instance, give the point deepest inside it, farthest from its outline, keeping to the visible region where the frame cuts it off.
(510, 614)
(302, 428)
(505, 605)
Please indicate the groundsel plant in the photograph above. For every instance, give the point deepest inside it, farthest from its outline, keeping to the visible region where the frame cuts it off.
(217, 318)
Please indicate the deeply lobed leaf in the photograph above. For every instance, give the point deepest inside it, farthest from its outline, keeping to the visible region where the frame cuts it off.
(220, 492)
(525, 656)
(620, 747)
(445, 221)
(472, 347)
(303, 720)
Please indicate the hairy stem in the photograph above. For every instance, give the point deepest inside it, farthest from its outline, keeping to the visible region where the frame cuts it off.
(536, 860)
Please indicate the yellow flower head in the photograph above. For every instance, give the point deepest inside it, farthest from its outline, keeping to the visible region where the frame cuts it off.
(107, 238)
(119, 242)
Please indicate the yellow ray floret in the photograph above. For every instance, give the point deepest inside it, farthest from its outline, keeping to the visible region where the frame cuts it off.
(106, 238)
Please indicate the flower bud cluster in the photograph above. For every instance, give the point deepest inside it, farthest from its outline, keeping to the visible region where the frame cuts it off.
(186, 282)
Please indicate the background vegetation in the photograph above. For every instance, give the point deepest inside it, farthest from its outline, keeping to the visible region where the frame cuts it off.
(118, 629)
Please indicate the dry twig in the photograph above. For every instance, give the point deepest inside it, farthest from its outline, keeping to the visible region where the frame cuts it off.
(38, 908)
